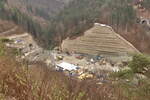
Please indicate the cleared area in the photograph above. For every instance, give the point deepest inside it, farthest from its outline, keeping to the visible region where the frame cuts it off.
(100, 40)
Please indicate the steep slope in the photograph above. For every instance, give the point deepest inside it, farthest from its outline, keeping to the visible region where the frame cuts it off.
(76, 17)
(40, 10)
(120, 14)
(5, 25)
(102, 40)
(43, 8)
(8, 28)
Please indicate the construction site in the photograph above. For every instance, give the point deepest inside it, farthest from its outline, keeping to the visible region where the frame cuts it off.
(97, 53)
(74, 49)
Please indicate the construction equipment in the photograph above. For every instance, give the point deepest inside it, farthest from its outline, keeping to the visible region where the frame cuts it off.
(85, 76)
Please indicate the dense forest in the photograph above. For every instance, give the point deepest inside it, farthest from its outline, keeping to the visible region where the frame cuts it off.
(27, 22)
(146, 4)
(75, 18)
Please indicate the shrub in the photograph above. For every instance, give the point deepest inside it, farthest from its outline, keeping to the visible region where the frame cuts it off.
(139, 63)
(123, 74)
(4, 40)
(1, 48)
(146, 4)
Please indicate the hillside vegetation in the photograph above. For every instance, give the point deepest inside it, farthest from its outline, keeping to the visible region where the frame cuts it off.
(146, 4)
(120, 14)
(18, 81)
(44, 8)
(21, 81)
(78, 16)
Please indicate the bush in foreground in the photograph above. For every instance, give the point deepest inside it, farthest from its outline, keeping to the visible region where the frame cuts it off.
(19, 81)
(140, 64)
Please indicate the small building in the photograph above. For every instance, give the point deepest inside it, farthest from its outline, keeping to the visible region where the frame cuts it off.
(66, 66)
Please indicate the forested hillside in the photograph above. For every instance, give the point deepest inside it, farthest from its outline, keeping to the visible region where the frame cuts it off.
(40, 8)
(120, 14)
(100, 65)
(76, 17)
(79, 15)
(23, 19)
(34, 16)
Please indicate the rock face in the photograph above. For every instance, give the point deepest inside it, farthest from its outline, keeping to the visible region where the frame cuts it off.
(101, 39)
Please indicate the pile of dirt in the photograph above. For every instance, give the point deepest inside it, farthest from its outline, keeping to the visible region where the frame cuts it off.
(100, 39)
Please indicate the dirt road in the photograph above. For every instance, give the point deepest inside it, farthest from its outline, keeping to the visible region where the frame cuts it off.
(9, 31)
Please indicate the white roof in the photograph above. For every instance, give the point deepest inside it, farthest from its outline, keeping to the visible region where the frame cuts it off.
(104, 25)
(67, 66)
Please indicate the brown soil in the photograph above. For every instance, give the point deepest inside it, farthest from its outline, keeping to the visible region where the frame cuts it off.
(100, 40)
(8, 28)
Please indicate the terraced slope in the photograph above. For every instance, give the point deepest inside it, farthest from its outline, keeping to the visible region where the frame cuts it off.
(100, 39)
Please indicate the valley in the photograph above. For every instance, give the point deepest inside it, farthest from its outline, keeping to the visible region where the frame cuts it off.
(95, 71)
(74, 50)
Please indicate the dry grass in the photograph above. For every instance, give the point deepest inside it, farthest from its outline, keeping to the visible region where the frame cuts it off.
(19, 81)
(39, 83)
